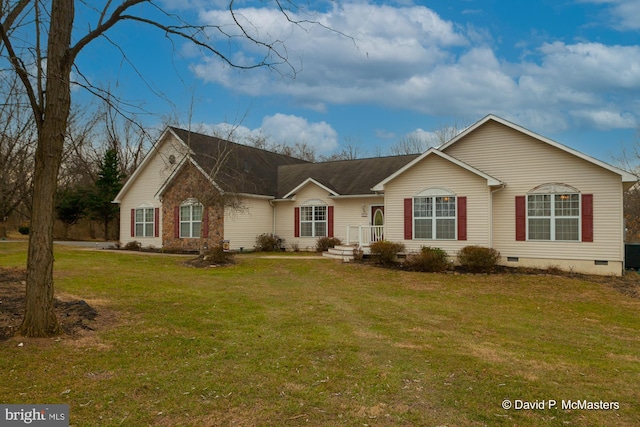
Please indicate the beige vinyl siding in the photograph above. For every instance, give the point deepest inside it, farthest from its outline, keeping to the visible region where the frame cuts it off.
(349, 212)
(436, 172)
(285, 216)
(524, 163)
(148, 181)
(241, 227)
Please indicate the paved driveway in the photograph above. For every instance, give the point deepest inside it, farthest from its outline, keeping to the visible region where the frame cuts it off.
(94, 245)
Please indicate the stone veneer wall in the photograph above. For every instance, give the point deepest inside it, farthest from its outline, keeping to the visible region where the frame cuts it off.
(180, 190)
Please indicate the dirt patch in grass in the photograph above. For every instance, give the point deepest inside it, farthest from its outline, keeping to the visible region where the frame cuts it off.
(208, 261)
(628, 285)
(74, 315)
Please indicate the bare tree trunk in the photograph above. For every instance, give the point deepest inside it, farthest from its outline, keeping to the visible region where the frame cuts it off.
(40, 319)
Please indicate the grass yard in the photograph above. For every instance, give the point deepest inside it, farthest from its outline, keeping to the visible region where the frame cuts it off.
(292, 342)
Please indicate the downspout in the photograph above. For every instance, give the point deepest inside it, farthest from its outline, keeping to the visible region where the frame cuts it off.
(501, 187)
(273, 225)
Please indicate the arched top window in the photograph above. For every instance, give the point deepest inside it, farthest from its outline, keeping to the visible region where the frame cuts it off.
(434, 214)
(313, 218)
(435, 191)
(190, 218)
(191, 201)
(314, 202)
(553, 188)
(553, 212)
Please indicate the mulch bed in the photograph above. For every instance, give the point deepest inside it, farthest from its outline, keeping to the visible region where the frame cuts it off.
(73, 316)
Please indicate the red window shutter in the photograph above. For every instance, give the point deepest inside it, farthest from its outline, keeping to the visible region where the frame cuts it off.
(156, 224)
(521, 218)
(205, 222)
(330, 221)
(408, 219)
(296, 222)
(462, 218)
(176, 222)
(587, 217)
(133, 223)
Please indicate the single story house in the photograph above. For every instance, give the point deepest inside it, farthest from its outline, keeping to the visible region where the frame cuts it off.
(496, 184)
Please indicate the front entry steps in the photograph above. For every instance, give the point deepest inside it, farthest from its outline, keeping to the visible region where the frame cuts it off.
(342, 252)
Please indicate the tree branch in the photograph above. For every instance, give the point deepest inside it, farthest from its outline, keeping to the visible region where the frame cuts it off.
(13, 15)
(21, 71)
(102, 27)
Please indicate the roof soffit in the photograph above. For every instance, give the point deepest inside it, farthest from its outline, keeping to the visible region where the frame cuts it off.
(625, 176)
(491, 181)
(307, 182)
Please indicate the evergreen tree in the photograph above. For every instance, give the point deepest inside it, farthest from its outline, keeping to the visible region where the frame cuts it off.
(107, 186)
(71, 206)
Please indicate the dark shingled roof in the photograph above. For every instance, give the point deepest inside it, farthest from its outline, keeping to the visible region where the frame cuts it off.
(252, 170)
(246, 169)
(345, 177)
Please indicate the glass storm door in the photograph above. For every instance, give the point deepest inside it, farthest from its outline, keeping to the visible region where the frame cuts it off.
(377, 220)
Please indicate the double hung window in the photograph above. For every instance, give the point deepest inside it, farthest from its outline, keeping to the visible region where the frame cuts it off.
(434, 217)
(190, 220)
(553, 216)
(313, 221)
(144, 222)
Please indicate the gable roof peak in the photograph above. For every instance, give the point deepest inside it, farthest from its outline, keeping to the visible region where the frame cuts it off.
(626, 176)
(491, 181)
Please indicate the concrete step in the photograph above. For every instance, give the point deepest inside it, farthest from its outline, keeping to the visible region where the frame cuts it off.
(342, 252)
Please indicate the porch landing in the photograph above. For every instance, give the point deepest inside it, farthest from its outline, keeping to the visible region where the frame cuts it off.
(342, 252)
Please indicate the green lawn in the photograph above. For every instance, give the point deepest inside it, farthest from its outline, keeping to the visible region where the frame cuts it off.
(316, 342)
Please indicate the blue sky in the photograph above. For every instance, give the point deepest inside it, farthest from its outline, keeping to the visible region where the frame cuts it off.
(567, 69)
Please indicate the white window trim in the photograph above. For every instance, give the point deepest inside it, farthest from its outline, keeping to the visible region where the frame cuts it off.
(553, 190)
(191, 204)
(144, 222)
(434, 194)
(314, 204)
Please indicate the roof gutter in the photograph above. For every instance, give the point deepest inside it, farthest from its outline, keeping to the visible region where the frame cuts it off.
(353, 196)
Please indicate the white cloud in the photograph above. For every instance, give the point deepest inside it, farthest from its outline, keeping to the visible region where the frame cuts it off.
(628, 11)
(291, 129)
(278, 129)
(624, 15)
(606, 119)
(410, 58)
(428, 137)
(383, 44)
(229, 131)
(593, 65)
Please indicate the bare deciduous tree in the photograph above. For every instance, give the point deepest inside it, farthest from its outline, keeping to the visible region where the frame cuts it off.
(36, 43)
(409, 145)
(419, 142)
(630, 160)
(17, 144)
(351, 149)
